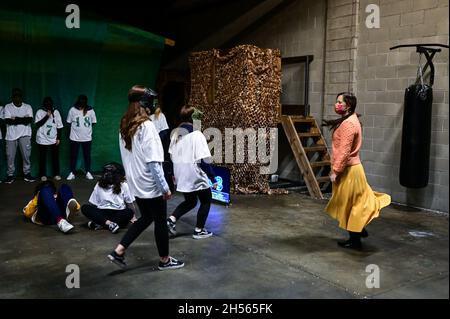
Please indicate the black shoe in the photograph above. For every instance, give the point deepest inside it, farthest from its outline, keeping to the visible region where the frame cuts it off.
(201, 234)
(171, 226)
(350, 244)
(9, 180)
(117, 259)
(364, 233)
(172, 263)
(113, 227)
(29, 178)
(94, 226)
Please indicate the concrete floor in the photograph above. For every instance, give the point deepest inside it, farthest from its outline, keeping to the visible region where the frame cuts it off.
(280, 246)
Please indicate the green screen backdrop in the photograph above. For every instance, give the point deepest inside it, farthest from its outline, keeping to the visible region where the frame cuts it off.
(40, 55)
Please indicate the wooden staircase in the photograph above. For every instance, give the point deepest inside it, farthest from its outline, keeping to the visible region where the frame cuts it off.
(310, 152)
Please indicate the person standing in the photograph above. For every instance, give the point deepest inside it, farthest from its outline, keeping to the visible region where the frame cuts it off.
(18, 118)
(81, 119)
(142, 157)
(48, 136)
(190, 155)
(353, 203)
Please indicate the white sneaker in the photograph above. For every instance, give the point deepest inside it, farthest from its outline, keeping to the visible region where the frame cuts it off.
(72, 208)
(89, 175)
(57, 178)
(64, 226)
(44, 178)
(71, 176)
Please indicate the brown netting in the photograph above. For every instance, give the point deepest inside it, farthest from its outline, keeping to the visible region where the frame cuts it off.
(238, 88)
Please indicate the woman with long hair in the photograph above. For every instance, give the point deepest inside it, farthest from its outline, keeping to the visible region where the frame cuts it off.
(111, 203)
(81, 119)
(142, 156)
(353, 203)
(190, 156)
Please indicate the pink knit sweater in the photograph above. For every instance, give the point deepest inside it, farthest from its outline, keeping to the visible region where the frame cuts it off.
(347, 140)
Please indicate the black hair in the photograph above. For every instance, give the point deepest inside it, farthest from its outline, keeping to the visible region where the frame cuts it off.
(77, 103)
(113, 175)
(351, 101)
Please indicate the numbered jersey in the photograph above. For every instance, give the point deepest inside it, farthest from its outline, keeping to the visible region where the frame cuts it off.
(46, 134)
(81, 125)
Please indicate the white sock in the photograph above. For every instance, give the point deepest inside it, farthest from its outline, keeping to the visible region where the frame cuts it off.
(173, 219)
(198, 229)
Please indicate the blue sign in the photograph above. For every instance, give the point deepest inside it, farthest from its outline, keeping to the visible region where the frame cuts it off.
(222, 193)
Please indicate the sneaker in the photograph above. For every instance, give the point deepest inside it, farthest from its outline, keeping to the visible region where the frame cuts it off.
(94, 226)
(171, 226)
(72, 208)
(117, 259)
(70, 177)
(43, 178)
(89, 175)
(202, 234)
(172, 263)
(57, 178)
(64, 226)
(9, 180)
(113, 227)
(29, 178)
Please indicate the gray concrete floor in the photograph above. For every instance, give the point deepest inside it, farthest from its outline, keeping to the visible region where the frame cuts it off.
(279, 246)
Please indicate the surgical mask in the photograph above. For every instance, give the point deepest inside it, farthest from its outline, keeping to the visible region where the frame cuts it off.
(340, 109)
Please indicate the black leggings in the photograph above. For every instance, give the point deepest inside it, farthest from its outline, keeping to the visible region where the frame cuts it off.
(54, 151)
(152, 209)
(190, 201)
(74, 147)
(100, 216)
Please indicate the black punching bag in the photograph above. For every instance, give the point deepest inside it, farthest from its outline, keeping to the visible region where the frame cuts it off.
(416, 136)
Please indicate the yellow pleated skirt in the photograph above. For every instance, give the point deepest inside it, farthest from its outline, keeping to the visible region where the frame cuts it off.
(353, 203)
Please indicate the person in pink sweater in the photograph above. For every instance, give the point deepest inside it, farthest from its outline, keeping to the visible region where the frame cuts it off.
(353, 203)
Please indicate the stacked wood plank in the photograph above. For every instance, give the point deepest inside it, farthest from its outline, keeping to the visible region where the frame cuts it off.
(238, 88)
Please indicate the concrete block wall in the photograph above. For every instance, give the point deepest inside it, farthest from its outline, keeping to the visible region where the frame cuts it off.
(349, 56)
(298, 29)
(381, 78)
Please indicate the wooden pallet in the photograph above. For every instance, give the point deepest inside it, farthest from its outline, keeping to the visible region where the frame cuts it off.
(310, 152)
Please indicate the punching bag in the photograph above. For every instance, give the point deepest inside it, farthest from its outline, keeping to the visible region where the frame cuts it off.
(416, 136)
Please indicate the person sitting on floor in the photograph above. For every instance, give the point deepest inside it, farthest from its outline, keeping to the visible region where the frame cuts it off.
(50, 206)
(109, 200)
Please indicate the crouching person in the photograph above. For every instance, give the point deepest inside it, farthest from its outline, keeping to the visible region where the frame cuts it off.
(110, 205)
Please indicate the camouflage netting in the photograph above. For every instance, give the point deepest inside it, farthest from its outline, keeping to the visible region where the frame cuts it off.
(239, 88)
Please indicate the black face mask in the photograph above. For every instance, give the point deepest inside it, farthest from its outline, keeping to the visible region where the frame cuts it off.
(147, 100)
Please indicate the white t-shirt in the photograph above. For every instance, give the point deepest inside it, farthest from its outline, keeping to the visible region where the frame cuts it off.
(2, 116)
(186, 153)
(146, 147)
(160, 122)
(47, 133)
(81, 125)
(13, 132)
(106, 199)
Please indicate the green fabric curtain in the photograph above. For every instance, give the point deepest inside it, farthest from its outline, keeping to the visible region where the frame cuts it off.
(101, 60)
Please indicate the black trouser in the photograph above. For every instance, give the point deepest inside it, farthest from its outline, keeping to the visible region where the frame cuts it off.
(152, 209)
(54, 151)
(74, 147)
(100, 216)
(190, 201)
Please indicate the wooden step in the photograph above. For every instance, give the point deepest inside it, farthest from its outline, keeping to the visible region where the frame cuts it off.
(320, 163)
(308, 134)
(315, 148)
(323, 179)
(302, 119)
